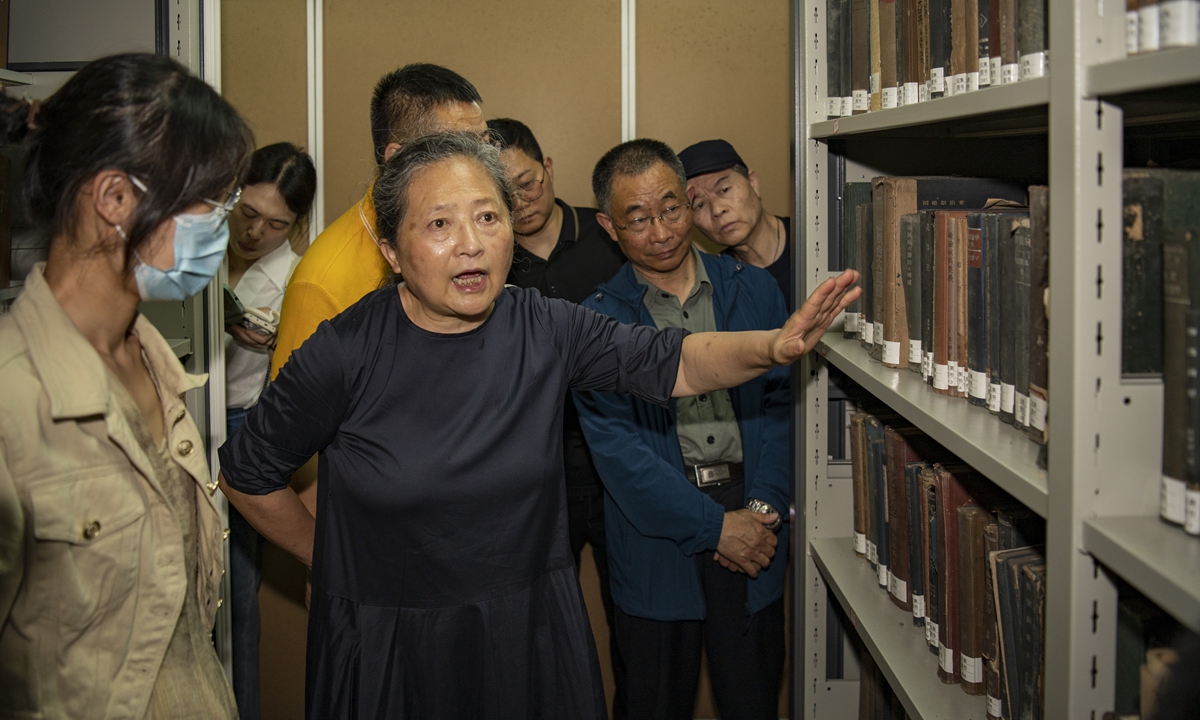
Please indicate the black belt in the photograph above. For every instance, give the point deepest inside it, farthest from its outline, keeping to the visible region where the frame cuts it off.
(713, 474)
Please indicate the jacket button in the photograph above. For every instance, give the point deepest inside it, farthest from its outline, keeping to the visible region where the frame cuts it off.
(225, 534)
(182, 412)
(211, 487)
(185, 448)
(220, 602)
(91, 530)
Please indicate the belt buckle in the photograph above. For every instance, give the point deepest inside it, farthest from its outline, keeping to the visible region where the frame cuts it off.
(712, 474)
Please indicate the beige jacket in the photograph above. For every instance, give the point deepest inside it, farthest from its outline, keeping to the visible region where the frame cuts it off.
(92, 576)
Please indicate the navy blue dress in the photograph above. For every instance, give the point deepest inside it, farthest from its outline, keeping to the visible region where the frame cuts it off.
(443, 581)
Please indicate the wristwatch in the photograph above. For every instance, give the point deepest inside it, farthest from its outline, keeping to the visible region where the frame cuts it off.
(758, 506)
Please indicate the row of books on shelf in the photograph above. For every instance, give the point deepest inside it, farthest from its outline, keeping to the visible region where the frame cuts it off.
(876, 699)
(963, 559)
(955, 279)
(882, 54)
(1152, 25)
(1161, 320)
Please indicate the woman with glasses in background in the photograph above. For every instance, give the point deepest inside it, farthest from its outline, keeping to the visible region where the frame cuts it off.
(110, 543)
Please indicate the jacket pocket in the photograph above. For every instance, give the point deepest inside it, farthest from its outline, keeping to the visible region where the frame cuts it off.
(86, 557)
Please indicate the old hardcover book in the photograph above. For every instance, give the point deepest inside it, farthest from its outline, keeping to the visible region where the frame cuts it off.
(922, 27)
(1010, 62)
(876, 57)
(939, 47)
(904, 446)
(910, 256)
(960, 275)
(991, 628)
(977, 385)
(866, 242)
(985, 57)
(1191, 438)
(854, 195)
(914, 491)
(860, 55)
(942, 278)
(933, 601)
(993, 35)
(1039, 322)
(858, 468)
(888, 54)
(901, 51)
(879, 275)
(847, 52)
(1006, 570)
(972, 520)
(1019, 527)
(955, 227)
(833, 58)
(1032, 37)
(877, 515)
(1033, 613)
(1180, 248)
(928, 244)
(1022, 251)
(893, 197)
(991, 250)
(912, 74)
(1141, 277)
(964, 53)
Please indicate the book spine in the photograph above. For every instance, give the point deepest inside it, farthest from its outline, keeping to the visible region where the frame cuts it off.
(889, 194)
(910, 248)
(1008, 317)
(985, 55)
(941, 306)
(927, 281)
(876, 96)
(948, 583)
(887, 60)
(1039, 322)
(911, 33)
(849, 256)
(1131, 27)
(916, 537)
(923, 50)
(961, 318)
(1010, 63)
(1178, 23)
(880, 509)
(939, 47)
(1191, 439)
(991, 247)
(866, 244)
(1148, 28)
(878, 223)
(875, 522)
(860, 61)
(1142, 273)
(957, 82)
(1023, 249)
(899, 575)
(858, 468)
(991, 629)
(1031, 38)
(971, 524)
(833, 58)
(993, 13)
(932, 577)
(1176, 303)
(977, 384)
(847, 51)
(1031, 642)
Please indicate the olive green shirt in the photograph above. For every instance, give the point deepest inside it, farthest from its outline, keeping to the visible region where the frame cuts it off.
(708, 430)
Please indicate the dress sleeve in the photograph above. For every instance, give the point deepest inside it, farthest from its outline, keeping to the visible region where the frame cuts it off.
(297, 416)
(604, 354)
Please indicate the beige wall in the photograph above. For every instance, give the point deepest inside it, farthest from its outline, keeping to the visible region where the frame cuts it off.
(264, 70)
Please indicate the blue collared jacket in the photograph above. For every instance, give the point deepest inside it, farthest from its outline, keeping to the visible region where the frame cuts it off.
(656, 521)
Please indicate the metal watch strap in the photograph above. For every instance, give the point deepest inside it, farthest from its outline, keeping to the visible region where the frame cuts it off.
(758, 506)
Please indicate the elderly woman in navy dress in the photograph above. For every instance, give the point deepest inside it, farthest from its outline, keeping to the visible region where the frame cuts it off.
(443, 582)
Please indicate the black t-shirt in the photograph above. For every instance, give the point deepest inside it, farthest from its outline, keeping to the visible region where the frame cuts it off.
(781, 269)
(583, 257)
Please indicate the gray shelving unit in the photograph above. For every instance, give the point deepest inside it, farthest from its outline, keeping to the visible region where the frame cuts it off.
(1099, 495)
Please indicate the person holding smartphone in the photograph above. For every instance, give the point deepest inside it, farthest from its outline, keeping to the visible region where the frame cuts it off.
(274, 206)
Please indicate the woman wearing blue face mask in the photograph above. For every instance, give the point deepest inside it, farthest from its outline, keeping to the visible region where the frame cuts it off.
(110, 545)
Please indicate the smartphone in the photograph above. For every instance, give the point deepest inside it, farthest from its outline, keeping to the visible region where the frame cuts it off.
(264, 323)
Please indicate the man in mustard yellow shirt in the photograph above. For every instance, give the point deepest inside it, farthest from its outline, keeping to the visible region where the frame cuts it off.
(344, 264)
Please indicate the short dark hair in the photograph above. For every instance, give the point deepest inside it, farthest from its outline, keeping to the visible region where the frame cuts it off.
(404, 98)
(140, 113)
(391, 189)
(515, 135)
(290, 170)
(631, 158)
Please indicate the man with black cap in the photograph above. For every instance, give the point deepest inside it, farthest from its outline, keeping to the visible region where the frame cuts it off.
(727, 207)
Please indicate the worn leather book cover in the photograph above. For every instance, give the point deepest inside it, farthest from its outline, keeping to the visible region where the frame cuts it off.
(977, 384)
(939, 47)
(954, 268)
(912, 75)
(901, 50)
(972, 520)
(854, 195)
(941, 303)
(887, 57)
(928, 244)
(860, 54)
(866, 300)
(911, 268)
(962, 336)
(964, 52)
(1022, 252)
(877, 531)
(993, 35)
(991, 628)
(903, 447)
(876, 57)
(1141, 277)
(1010, 62)
(933, 599)
(1008, 315)
(833, 58)
(858, 467)
(923, 49)
(991, 249)
(1006, 571)
(1020, 527)
(893, 197)
(879, 264)
(913, 493)
(1033, 613)
(1039, 322)
(1032, 37)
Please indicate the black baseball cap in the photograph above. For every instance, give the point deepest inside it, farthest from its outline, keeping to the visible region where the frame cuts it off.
(708, 156)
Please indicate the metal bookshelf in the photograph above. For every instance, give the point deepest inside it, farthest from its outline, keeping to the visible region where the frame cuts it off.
(1099, 494)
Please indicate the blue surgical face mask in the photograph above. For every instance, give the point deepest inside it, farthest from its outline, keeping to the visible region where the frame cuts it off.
(200, 242)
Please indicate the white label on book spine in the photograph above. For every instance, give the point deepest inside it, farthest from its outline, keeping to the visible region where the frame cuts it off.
(862, 101)
(1131, 32)
(1006, 397)
(890, 96)
(1010, 73)
(952, 374)
(1022, 412)
(1172, 501)
(995, 708)
(946, 658)
(860, 544)
(993, 399)
(918, 602)
(931, 633)
(1148, 28)
(883, 574)
(848, 106)
(912, 94)
(979, 385)
(973, 81)
(1033, 65)
(971, 668)
(877, 337)
(941, 375)
(875, 83)
(923, 92)
(1037, 412)
(868, 333)
(963, 383)
(891, 352)
(928, 364)
(1177, 22)
(897, 587)
(985, 71)
(833, 107)
(937, 80)
(956, 85)
(872, 552)
(914, 351)
(1191, 512)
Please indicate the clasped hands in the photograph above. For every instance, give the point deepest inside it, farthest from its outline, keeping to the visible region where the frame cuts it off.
(746, 545)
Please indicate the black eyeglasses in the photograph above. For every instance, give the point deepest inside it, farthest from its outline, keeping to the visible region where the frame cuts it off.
(671, 215)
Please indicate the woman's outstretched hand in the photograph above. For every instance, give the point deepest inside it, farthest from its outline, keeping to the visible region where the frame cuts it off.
(805, 327)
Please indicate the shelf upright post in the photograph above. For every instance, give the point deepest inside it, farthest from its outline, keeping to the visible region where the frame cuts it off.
(1098, 426)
